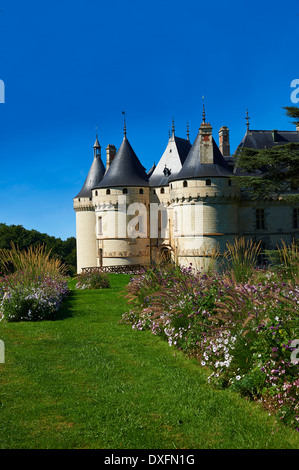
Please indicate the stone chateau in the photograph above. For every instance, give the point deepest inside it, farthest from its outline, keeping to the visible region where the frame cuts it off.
(181, 208)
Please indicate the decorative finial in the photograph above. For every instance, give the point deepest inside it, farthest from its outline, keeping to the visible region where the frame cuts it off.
(169, 133)
(125, 126)
(203, 110)
(188, 131)
(96, 131)
(247, 119)
(173, 128)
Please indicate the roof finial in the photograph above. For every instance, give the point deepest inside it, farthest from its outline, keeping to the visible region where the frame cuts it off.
(188, 135)
(247, 119)
(203, 110)
(169, 133)
(125, 126)
(173, 128)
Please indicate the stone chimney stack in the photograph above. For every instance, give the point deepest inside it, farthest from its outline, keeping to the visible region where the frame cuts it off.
(110, 154)
(206, 143)
(224, 145)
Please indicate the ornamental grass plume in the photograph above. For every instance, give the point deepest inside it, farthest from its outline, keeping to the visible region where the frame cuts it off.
(241, 257)
(36, 260)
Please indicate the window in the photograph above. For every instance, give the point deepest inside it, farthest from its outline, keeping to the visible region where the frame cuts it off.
(185, 184)
(125, 190)
(229, 182)
(162, 191)
(140, 191)
(208, 182)
(259, 219)
(96, 193)
(108, 191)
(296, 218)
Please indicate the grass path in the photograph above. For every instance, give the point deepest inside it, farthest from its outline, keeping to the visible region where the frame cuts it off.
(87, 381)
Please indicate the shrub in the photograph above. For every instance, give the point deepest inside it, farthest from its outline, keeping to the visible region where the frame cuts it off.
(29, 298)
(93, 280)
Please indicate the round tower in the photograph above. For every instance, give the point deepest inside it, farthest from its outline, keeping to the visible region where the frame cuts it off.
(121, 202)
(85, 214)
(204, 201)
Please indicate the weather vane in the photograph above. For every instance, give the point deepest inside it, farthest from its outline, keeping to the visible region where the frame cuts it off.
(247, 119)
(125, 126)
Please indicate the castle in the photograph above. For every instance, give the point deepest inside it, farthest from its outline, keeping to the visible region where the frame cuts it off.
(181, 209)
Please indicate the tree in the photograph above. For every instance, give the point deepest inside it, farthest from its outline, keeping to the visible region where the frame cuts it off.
(293, 112)
(271, 173)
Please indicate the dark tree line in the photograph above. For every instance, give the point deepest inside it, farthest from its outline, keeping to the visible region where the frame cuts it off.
(23, 238)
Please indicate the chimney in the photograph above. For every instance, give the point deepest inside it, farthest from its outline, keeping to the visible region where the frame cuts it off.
(206, 143)
(224, 145)
(275, 135)
(110, 154)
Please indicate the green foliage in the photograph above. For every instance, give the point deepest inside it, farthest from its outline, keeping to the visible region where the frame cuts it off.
(293, 112)
(92, 281)
(271, 172)
(65, 250)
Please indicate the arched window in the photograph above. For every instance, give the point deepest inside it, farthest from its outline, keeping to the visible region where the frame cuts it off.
(162, 191)
(125, 190)
(185, 184)
(140, 191)
(108, 191)
(208, 182)
(96, 193)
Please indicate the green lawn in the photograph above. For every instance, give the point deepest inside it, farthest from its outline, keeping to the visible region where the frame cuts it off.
(88, 381)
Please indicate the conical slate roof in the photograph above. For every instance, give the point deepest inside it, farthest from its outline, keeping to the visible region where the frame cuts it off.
(95, 174)
(125, 169)
(193, 168)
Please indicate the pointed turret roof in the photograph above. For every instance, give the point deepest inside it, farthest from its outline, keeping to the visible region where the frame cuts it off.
(194, 168)
(95, 174)
(171, 161)
(125, 169)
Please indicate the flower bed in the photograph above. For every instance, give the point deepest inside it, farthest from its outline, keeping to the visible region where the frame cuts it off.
(242, 332)
(92, 280)
(27, 297)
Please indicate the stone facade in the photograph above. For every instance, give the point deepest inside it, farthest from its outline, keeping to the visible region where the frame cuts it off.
(121, 224)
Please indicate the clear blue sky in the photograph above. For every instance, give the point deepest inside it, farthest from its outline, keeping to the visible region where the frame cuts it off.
(72, 66)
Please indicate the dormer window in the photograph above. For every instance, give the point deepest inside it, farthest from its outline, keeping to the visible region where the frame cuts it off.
(166, 171)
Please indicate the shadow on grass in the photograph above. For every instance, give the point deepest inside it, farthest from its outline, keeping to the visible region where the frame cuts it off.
(65, 310)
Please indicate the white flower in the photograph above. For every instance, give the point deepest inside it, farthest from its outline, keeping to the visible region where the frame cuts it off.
(238, 377)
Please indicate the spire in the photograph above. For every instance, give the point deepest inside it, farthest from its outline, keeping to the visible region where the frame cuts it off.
(96, 147)
(173, 128)
(125, 126)
(203, 110)
(188, 134)
(247, 119)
